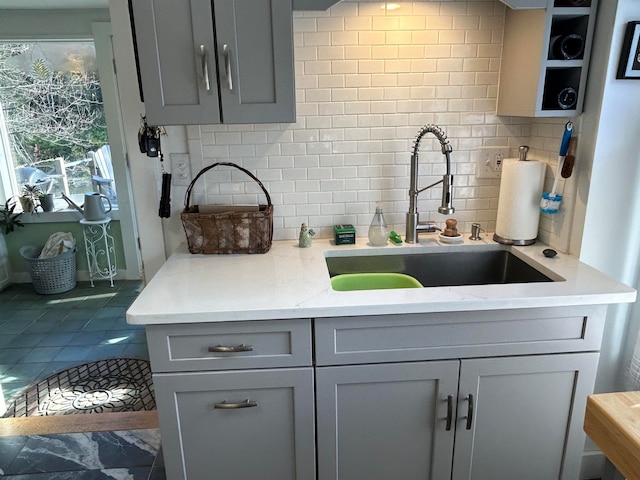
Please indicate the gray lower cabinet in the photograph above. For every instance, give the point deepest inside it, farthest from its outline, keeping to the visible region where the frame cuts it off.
(496, 395)
(220, 61)
(379, 422)
(237, 425)
(511, 417)
(522, 417)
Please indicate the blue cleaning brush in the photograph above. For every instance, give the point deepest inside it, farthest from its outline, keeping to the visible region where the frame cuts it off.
(564, 148)
(550, 202)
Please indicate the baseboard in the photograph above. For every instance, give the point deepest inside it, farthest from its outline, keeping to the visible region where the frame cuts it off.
(81, 275)
(593, 463)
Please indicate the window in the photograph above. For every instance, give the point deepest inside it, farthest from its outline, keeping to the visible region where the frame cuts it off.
(53, 132)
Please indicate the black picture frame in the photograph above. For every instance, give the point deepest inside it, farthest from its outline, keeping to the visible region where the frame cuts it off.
(629, 66)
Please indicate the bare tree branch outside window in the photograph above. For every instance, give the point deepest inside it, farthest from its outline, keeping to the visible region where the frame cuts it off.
(52, 101)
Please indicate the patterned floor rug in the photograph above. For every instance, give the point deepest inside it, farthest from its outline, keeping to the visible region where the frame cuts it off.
(114, 385)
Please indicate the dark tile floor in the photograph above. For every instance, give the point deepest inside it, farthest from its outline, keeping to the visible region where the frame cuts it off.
(43, 334)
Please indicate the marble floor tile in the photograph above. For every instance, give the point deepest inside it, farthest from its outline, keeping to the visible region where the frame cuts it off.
(86, 451)
(136, 473)
(10, 447)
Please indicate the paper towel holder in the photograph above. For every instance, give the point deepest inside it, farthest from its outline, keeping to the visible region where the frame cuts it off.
(523, 150)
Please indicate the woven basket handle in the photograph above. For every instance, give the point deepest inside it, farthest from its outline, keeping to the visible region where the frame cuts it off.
(187, 197)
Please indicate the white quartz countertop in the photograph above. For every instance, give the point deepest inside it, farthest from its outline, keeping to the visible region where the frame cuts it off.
(293, 282)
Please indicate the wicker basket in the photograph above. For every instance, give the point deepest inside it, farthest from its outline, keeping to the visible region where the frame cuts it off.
(50, 275)
(223, 229)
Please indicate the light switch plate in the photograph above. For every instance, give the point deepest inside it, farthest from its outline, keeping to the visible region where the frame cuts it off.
(489, 161)
(180, 169)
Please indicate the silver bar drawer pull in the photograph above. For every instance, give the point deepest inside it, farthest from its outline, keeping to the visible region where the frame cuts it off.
(226, 52)
(205, 68)
(224, 405)
(231, 348)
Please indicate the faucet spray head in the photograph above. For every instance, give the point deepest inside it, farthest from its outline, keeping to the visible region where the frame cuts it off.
(446, 208)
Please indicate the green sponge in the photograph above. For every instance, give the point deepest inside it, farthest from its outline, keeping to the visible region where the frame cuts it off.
(395, 238)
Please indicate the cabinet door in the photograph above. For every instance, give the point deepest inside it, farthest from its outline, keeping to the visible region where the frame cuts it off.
(381, 422)
(176, 57)
(269, 435)
(526, 417)
(255, 60)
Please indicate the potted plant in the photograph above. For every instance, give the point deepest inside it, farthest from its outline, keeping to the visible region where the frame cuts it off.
(8, 219)
(46, 202)
(30, 197)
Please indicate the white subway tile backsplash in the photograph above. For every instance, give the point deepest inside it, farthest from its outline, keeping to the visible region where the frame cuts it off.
(330, 24)
(412, 23)
(316, 38)
(305, 25)
(385, 23)
(450, 65)
(344, 38)
(366, 80)
(358, 24)
(371, 37)
(439, 22)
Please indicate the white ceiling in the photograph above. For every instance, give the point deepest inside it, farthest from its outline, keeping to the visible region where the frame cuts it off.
(55, 4)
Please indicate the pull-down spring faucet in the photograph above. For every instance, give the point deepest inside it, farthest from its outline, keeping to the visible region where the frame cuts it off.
(446, 208)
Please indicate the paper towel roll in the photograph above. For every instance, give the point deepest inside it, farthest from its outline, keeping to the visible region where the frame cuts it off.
(519, 201)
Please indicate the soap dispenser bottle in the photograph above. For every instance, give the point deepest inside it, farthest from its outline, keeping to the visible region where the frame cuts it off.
(378, 230)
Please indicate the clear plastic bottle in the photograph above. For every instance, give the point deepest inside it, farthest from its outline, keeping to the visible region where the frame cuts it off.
(378, 230)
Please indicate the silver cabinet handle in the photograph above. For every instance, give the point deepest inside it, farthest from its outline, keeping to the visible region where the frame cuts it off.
(224, 405)
(231, 348)
(449, 411)
(227, 65)
(470, 412)
(205, 68)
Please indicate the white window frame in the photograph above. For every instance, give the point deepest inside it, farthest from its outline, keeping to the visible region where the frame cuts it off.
(101, 35)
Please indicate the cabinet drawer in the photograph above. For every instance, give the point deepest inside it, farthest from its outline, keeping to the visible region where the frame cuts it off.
(397, 338)
(230, 345)
(253, 424)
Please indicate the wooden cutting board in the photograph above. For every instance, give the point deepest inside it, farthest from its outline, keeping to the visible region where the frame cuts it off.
(612, 421)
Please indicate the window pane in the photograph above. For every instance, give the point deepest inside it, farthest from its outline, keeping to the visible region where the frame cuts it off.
(53, 118)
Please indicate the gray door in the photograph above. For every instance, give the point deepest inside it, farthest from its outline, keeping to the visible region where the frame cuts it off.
(527, 415)
(255, 60)
(388, 421)
(176, 53)
(271, 438)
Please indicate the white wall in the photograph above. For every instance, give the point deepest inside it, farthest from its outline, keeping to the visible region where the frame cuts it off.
(609, 190)
(367, 80)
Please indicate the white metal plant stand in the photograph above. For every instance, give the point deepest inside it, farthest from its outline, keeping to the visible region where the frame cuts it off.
(100, 249)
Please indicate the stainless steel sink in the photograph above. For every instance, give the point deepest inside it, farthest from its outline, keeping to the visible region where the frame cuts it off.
(445, 268)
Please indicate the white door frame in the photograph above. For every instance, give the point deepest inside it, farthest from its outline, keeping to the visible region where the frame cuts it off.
(102, 37)
(145, 172)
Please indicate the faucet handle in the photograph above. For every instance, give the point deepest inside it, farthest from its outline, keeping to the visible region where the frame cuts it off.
(427, 227)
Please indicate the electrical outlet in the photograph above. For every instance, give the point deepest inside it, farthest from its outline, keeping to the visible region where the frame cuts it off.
(489, 161)
(180, 169)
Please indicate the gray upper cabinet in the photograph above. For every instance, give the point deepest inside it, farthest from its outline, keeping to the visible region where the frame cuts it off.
(226, 61)
(545, 59)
